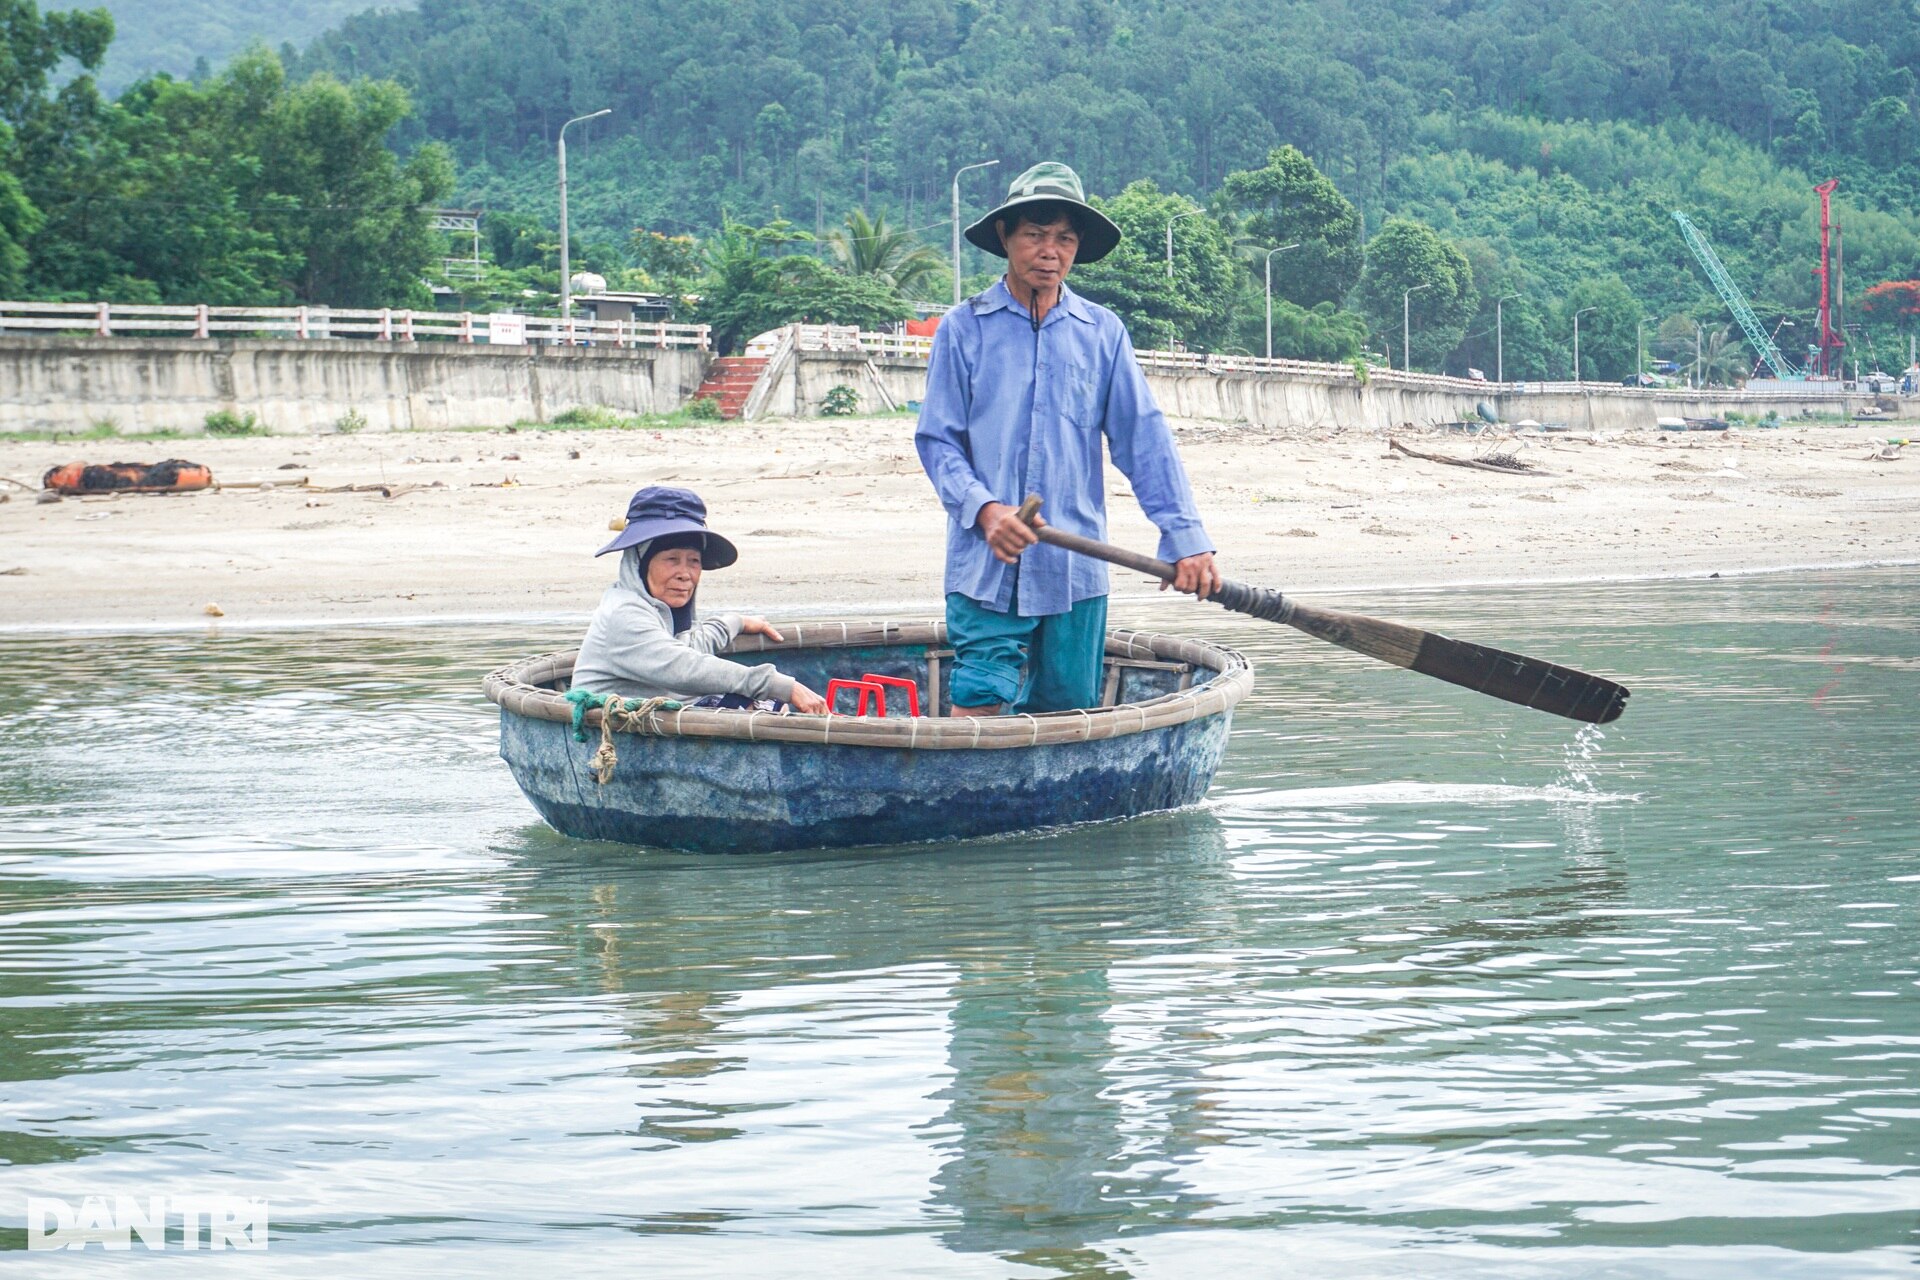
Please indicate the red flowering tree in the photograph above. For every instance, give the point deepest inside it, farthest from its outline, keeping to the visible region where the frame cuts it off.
(1895, 302)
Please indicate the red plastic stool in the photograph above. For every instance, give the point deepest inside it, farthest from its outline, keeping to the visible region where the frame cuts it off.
(871, 691)
(896, 682)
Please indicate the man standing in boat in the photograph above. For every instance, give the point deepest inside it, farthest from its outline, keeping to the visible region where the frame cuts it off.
(1026, 380)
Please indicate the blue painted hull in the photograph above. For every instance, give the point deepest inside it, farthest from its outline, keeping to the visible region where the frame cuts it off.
(725, 796)
(713, 782)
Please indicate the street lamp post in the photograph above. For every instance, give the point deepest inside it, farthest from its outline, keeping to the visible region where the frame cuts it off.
(1699, 378)
(1406, 325)
(1576, 340)
(1500, 341)
(1282, 249)
(1170, 221)
(984, 164)
(566, 266)
(1637, 362)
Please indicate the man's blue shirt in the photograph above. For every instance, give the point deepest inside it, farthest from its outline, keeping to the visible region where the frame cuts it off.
(1010, 411)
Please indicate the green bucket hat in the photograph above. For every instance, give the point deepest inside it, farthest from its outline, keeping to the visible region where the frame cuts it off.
(1050, 180)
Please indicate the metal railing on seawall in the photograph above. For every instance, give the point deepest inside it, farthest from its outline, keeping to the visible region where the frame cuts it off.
(855, 341)
(386, 324)
(852, 340)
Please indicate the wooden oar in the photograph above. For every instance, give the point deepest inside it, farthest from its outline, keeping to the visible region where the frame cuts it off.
(1544, 686)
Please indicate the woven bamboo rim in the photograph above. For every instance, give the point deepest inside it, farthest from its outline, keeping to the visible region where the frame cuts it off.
(516, 688)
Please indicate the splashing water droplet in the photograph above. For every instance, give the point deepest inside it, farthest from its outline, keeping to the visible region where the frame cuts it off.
(1580, 755)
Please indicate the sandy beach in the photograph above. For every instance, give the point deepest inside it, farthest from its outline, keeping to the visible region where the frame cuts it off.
(834, 517)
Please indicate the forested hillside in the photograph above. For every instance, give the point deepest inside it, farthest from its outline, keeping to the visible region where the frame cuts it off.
(1451, 158)
(1548, 140)
(175, 36)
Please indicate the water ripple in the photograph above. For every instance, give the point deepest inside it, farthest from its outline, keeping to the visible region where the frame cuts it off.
(1429, 986)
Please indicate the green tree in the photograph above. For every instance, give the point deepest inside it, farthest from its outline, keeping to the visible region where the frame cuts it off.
(44, 136)
(241, 190)
(1323, 332)
(750, 286)
(1607, 331)
(1526, 353)
(670, 262)
(162, 209)
(1288, 201)
(1676, 340)
(19, 219)
(1709, 353)
(1196, 306)
(35, 45)
(519, 240)
(869, 247)
(1723, 359)
(1411, 255)
(1886, 130)
(354, 217)
(812, 293)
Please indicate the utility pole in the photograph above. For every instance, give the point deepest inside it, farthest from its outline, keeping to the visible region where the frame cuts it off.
(1170, 221)
(984, 164)
(1282, 249)
(1829, 344)
(566, 268)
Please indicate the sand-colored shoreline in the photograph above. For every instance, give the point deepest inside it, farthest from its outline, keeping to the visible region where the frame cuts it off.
(834, 518)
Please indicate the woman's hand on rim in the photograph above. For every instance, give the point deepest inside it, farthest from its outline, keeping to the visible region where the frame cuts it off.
(760, 627)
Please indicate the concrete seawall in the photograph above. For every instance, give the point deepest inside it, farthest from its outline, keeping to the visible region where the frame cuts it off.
(305, 387)
(299, 387)
(1298, 400)
(1295, 399)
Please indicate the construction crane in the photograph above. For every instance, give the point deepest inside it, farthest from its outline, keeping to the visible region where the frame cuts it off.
(1736, 301)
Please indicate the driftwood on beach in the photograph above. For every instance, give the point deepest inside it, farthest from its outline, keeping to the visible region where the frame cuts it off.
(1504, 463)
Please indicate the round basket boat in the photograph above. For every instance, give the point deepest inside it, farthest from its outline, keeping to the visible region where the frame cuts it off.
(750, 781)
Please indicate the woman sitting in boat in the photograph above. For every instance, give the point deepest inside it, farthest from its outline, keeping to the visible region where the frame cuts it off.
(645, 640)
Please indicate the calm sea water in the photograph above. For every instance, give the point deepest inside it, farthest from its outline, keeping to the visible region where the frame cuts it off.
(1431, 986)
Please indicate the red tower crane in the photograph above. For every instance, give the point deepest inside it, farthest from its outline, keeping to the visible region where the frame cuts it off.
(1830, 363)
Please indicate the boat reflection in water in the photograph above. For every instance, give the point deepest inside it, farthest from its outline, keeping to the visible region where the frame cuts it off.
(1083, 1057)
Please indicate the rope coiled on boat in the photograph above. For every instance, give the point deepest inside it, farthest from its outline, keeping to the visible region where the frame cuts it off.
(617, 715)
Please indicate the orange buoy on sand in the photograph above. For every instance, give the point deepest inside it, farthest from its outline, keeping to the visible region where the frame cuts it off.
(171, 476)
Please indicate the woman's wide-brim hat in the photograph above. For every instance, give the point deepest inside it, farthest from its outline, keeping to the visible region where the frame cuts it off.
(1050, 181)
(657, 511)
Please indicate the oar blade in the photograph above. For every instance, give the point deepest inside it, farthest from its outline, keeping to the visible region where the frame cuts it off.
(1544, 686)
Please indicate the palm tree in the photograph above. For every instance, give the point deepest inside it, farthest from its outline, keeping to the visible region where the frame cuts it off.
(1723, 358)
(872, 248)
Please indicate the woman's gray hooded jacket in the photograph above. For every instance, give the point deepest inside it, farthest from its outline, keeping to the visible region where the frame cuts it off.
(631, 650)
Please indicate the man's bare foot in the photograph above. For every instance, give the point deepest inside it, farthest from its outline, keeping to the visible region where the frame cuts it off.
(965, 713)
